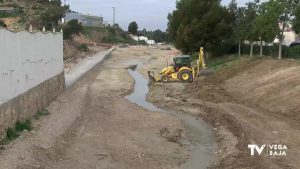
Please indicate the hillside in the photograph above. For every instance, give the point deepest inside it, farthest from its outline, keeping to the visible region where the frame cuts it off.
(18, 15)
(23, 12)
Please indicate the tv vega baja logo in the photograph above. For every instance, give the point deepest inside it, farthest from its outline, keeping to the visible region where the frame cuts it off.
(270, 150)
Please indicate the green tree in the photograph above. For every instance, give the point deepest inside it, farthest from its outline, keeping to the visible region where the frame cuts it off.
(296, 20)
(238, 24)
(265, 25)
(144, 32)
(53, 14)
(199, 23)
(284, 11)
(133, 28)
(250, 32)
(72, 28)
(158, 36)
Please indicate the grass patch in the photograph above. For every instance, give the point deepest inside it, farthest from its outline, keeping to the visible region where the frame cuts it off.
(216, 63)
(13, 133)
(221, 62)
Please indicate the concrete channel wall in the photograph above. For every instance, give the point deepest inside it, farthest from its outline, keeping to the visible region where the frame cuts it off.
(31, 74)
(86, 65)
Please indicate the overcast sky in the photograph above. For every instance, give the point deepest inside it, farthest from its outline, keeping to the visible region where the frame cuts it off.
(149, 14)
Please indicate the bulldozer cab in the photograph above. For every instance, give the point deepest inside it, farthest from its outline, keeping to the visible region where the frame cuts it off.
(182, 61)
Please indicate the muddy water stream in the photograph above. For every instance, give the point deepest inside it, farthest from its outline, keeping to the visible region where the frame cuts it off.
(200, 139)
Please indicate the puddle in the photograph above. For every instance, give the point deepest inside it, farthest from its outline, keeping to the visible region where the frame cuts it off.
(200, 139)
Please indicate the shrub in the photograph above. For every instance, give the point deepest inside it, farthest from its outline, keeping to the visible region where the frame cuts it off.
(72, 28)
(83, 48)
(12, 134)
(2, 24)
(21, 126)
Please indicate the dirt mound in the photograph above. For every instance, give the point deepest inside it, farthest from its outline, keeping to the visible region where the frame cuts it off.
(272, 85)
(258, 100)
(267, 83)
(251, 101)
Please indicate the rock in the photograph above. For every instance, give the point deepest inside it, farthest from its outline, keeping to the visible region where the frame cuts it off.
(176, 136)
(172, 139)
(164, 132)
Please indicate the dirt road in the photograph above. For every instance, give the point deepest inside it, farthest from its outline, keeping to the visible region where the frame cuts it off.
(92, 125)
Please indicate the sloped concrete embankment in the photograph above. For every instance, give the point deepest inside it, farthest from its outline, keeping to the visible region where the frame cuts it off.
(86, 65)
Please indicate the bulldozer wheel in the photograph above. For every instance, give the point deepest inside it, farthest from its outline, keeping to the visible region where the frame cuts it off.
(186, 76)
(165, 79)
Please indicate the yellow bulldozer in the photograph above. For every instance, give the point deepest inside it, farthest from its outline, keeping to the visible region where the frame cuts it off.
(181, 70)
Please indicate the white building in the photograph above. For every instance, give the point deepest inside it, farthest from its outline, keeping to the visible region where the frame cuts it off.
(289, 36)
(143, 38)
(84, 19)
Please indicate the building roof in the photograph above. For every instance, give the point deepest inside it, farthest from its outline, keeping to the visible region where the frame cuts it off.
(79, 16)
(71, 16)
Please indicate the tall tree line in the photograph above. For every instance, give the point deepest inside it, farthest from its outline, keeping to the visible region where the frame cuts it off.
(207, 23)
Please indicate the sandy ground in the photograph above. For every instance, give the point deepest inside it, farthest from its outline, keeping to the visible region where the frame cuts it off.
(92, 125)
(251, 102)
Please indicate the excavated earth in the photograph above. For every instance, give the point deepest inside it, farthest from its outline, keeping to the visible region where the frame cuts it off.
(92, 124)
(250, 101)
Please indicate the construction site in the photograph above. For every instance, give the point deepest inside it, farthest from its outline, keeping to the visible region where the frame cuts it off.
(90, 96)
(110, 121)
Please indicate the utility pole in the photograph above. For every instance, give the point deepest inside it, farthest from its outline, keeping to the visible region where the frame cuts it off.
(114, 15)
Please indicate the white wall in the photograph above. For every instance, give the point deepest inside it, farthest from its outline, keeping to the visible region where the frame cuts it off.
(28, 59)
(289, 37)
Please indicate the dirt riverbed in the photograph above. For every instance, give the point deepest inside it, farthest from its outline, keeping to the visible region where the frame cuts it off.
(92, 124)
